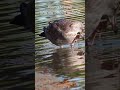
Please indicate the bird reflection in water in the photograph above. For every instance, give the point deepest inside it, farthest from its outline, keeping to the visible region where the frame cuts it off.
(68, 60)
(65, 60)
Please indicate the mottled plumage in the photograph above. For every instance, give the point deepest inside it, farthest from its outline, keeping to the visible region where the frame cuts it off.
(63, 31)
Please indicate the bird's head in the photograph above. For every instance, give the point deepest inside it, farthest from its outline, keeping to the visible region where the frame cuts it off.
(43, 33)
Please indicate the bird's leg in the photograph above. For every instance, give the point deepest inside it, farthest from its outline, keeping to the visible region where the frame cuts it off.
(93, 39)
(71, 45)
(99, 34)
(113, 24)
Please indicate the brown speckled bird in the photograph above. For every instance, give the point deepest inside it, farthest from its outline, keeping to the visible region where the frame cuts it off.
(64, 31)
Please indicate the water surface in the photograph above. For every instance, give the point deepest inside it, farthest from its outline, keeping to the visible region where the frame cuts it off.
(16, 50)
(63, 62)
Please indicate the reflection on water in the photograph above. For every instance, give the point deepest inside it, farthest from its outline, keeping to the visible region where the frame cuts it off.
(16, 50)
(103, 67)
(63, 62)
(102, 62)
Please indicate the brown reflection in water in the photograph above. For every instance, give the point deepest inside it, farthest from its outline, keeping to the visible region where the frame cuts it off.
(109, 65)
(64, 61)
(67, 60)
(102, 68)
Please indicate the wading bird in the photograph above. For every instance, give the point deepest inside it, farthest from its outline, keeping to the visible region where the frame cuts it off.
(64, 31)
(100, 14)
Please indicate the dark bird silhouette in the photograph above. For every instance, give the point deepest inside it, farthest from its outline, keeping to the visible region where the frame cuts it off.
(26, 16)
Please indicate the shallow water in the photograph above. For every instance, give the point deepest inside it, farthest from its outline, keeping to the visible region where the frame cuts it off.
(17, 58)
(16, 50)
(103, 62)
(65, 62)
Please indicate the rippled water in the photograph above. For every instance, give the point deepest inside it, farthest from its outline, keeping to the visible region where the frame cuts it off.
(62, 62)
(16, 50)
(103, 61)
